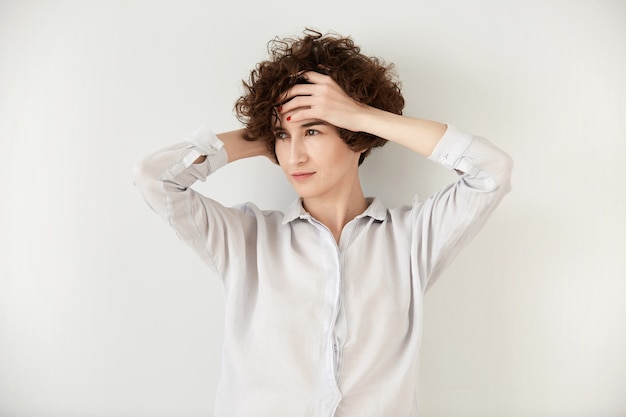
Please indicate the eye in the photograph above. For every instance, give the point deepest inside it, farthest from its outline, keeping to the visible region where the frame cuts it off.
(311, 132)
(280, 135)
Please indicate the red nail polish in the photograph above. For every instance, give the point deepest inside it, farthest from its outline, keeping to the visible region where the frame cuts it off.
(288, 118)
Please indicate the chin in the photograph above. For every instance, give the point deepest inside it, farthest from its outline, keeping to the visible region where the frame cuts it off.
(304, 194)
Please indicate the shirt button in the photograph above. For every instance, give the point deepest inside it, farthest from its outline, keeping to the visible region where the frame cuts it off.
(444, 159)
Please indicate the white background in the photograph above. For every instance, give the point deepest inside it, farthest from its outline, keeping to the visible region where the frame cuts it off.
(104, 312)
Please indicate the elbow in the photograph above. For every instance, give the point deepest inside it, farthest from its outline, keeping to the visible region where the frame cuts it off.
(143, 175)
(139, 173)
(491, 166)
(504, 169)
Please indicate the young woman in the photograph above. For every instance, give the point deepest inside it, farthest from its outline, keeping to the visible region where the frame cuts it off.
(324, 301)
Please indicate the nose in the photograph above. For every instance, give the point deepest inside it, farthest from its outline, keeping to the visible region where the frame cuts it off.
(297, 151)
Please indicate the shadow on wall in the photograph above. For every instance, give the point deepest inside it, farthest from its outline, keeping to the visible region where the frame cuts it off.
(396, 174)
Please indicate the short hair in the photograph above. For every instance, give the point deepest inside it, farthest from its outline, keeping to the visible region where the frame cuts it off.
(368, 80)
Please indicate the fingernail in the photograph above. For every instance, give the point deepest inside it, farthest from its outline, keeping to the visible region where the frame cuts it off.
(288, 118)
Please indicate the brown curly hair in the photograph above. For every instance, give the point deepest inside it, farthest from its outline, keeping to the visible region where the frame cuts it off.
(368, 80)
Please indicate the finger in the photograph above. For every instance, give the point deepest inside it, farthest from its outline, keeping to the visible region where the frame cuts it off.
(315, 77)
(296, 90)
(302, 89)
(296, 102)
(298, 114)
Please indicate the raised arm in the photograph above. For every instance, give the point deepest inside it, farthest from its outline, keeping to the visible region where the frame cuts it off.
(449, 219)
(323, 99)
(238, 148)
(165, 178)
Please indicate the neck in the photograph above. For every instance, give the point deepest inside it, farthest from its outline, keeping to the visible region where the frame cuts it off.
(335, 212)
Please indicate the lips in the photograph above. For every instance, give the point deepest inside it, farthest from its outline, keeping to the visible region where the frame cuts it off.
(301, 176)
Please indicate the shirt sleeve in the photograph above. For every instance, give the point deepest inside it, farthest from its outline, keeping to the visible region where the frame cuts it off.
(164, 179)
(452, 217)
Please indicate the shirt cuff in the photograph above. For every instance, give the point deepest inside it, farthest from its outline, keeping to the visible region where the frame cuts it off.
(451, 147)
(207, 143)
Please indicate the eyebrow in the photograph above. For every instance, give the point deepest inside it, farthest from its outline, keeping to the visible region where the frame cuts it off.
(314, 123)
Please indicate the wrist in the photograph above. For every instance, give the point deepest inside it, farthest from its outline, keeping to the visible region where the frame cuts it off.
(372, 120)
(237, 147)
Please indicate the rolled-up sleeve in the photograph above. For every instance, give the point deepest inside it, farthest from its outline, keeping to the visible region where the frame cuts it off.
(164, 179)
(451, 218)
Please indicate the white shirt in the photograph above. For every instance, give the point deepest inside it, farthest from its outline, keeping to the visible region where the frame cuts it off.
(312, 327)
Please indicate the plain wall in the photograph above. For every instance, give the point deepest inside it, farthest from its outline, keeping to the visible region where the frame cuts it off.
(104, 312)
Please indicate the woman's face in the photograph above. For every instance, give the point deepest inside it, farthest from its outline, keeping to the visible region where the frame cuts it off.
(314, 158)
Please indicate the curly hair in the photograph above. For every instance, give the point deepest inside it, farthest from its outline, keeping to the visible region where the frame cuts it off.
(368, 80)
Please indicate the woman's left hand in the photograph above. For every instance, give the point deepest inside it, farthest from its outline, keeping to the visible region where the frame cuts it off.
(323, 99)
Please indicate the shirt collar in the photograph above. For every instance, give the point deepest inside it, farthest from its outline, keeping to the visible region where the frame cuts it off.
(376, 210)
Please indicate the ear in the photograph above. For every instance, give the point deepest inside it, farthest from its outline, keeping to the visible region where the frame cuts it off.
(364, 152)
(364, 155)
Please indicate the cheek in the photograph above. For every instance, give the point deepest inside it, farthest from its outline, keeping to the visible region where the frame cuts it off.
(343, 158)
(282, 153)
